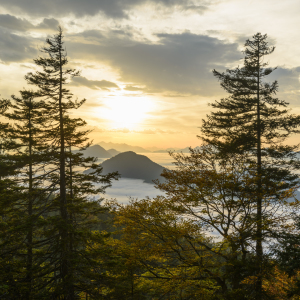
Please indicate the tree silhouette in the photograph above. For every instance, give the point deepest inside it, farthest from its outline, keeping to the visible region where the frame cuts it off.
(30, 151)
(253, 120)
(72, 187)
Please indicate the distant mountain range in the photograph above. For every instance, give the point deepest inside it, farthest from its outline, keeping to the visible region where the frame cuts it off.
(185, 150)
(98, 151)
(123, 147)
(137, 149)
(132, 165)
(114, 149)
(113, 152)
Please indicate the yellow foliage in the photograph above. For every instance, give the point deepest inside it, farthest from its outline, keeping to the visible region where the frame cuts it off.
(277, 285)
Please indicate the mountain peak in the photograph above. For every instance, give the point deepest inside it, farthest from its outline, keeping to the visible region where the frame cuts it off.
(96, 151)
(132, 165)
(122, 147)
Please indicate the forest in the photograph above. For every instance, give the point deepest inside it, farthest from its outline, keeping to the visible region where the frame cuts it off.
(226, 227)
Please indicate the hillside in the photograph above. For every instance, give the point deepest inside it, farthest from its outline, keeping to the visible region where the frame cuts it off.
(96, 151)
(132, 165)
(113, 152)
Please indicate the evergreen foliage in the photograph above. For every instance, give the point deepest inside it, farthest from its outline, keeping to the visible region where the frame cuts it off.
(253, 120)
(30, 153)
(56, 212)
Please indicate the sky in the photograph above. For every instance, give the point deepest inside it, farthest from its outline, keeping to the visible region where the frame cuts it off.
(146, 65)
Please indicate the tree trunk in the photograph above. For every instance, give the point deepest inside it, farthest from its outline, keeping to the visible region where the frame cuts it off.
(66, 278)
(30, 204)
(259, 249)
(71, 238)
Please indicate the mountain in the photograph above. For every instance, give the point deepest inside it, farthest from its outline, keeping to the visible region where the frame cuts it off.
(184, 150)
(177, 150)
(95, 151)
(132, 165)
(123, 147)
(113, 152)
(161, 151)
(173, 149)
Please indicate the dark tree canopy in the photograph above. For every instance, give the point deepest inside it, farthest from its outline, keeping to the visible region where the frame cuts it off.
(253, 120)
(52, 198)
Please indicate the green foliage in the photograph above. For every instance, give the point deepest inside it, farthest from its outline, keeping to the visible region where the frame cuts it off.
(168, 255)
(253, 121)
(49, 217)
(171, 238)
(251, 108)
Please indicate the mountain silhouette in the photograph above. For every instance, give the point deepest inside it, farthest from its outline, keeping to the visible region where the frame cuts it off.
(123, 147)
(132, 165)
(113, 152)
(176, 150)
(95, 151)
(185, 150)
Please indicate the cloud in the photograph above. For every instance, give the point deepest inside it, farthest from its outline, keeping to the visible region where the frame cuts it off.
(112, 8)
(180, 63)
(50, 23)
(14, 23)
(104, 130)
(132, 88)
(288, 79)
(156, 131)
(288, 82)
(196, 8)
(15, 48)
(174, 95)
(93, 84)
(18, 24)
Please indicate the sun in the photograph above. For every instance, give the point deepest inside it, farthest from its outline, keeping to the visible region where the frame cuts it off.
(126, 112)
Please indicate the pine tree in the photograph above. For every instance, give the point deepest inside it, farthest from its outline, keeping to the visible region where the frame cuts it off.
(50, 83)
(30, 154)
(253, 120)
(207, 193)
(76, 215)
(9, 210)
(6, 168)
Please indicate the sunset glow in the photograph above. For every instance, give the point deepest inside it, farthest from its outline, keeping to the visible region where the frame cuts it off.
(146, 66)
(125, 112)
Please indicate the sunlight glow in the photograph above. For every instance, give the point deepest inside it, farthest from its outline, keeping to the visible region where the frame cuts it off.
(126, 112)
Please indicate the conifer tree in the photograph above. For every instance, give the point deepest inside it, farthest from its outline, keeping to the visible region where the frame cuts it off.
(50, 83)
(30, 154)
(253, 120)
(6, 168)
(74, 218)
(208, 193)
(9, 215)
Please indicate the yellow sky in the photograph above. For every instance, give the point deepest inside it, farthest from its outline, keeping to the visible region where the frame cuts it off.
(146, 65)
